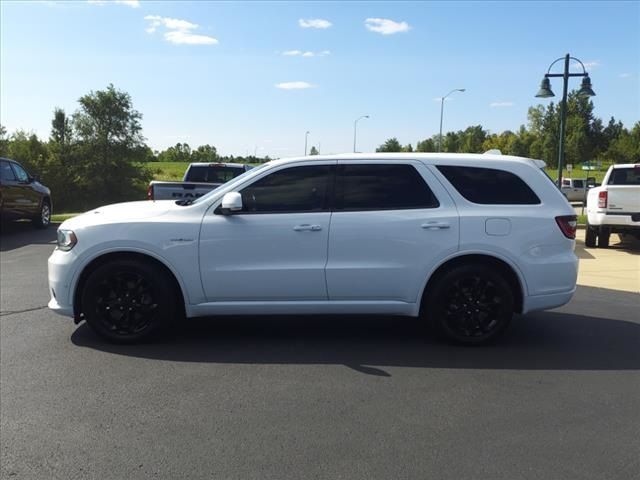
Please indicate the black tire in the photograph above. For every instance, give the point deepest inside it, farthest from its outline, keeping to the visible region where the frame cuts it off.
(603, 237)
(126, 301)
(43, 219)
(590, 235)
(470, 304)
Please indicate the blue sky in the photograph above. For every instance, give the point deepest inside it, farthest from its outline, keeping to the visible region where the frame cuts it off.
(213, 72)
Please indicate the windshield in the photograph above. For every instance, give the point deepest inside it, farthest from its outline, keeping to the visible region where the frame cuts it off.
(229, 186)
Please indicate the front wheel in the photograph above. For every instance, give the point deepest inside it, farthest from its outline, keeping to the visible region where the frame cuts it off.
(125, 301)
(43, 219)
(470, 304)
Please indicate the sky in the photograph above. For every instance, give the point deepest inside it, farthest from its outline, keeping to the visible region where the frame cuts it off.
(253, 77)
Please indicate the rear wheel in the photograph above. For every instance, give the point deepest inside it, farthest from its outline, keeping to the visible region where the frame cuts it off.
(43, 219)
(590, 236)
(125, 301)
(470, 304)
(603, 237)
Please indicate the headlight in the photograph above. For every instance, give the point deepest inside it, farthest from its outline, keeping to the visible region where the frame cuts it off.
(66, 240)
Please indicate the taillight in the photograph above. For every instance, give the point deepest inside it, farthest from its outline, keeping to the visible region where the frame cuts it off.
(568, 225)
(602, 199)
(150, 192)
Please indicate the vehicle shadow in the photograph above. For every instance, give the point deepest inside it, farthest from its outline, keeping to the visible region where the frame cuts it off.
(18, 234)
(540, 341)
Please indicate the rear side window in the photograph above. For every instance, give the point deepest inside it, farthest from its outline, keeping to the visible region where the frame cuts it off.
(578, 184)
(381, 187)
(489, 186)
(625, 176)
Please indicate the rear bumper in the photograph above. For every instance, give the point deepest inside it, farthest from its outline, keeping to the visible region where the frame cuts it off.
(533, 303)
(608, 219)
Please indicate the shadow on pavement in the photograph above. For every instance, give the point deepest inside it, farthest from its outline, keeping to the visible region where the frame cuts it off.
(539, 341)
(18, 234)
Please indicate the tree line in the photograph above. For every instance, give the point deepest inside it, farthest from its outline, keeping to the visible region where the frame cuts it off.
(98, 155)
(587, 139)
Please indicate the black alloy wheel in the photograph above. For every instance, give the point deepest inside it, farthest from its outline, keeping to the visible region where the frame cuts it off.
(125, 301)
(471, 304)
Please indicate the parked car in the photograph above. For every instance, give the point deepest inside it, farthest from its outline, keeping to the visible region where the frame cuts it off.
(22, 196)
(614, 207)
(464, 241)
(199, 179)
(575, 189)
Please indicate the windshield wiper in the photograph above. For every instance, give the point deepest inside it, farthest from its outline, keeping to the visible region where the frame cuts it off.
(185, 202)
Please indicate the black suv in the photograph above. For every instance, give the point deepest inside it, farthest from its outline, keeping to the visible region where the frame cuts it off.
(22, 196)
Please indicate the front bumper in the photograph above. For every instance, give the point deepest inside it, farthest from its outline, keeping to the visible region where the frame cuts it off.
(60, 273)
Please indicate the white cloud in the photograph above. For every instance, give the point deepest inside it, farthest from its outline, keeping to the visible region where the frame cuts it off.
(170, 23)
(180, 37)
(501, 104)
(625, 75)
(128, 3)
(294, 85)
(591, 65)
(307, 54)
(180, 32)
(385, 26)
(314, 23)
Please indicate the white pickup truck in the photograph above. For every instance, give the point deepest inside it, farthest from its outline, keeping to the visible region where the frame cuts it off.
(198, 180)
(614, 207)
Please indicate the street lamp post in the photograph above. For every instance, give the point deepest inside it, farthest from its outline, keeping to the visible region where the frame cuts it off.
(355, 126)
(545, 92)
(306, 135)
(442, 113)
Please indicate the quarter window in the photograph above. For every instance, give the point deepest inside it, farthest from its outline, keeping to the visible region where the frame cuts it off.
(489, 186)
(381, 187)
(295, 189)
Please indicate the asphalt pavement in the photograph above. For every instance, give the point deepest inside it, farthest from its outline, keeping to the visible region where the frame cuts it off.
(315, 397)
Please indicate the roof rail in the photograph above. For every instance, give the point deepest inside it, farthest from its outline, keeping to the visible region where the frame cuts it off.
(493, 151)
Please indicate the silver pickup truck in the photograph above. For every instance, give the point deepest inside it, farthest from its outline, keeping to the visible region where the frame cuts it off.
(199, 179)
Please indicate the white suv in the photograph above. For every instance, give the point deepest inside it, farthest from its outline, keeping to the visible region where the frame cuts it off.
(464, 241)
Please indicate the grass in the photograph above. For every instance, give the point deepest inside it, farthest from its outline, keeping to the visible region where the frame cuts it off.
(61, 217)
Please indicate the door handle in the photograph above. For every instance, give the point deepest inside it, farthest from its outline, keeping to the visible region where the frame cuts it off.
(307, 228)
(435, 226)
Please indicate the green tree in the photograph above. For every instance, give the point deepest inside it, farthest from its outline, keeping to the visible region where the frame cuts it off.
(4, 141)
(110, 141)
(407, 148)
(391, 145)
(313, 151)
(472, 139)
(204, 153)
(61, 131)
(428, 145)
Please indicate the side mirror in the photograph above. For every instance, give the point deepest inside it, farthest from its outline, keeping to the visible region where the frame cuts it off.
(231, 202)
(34, 178)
